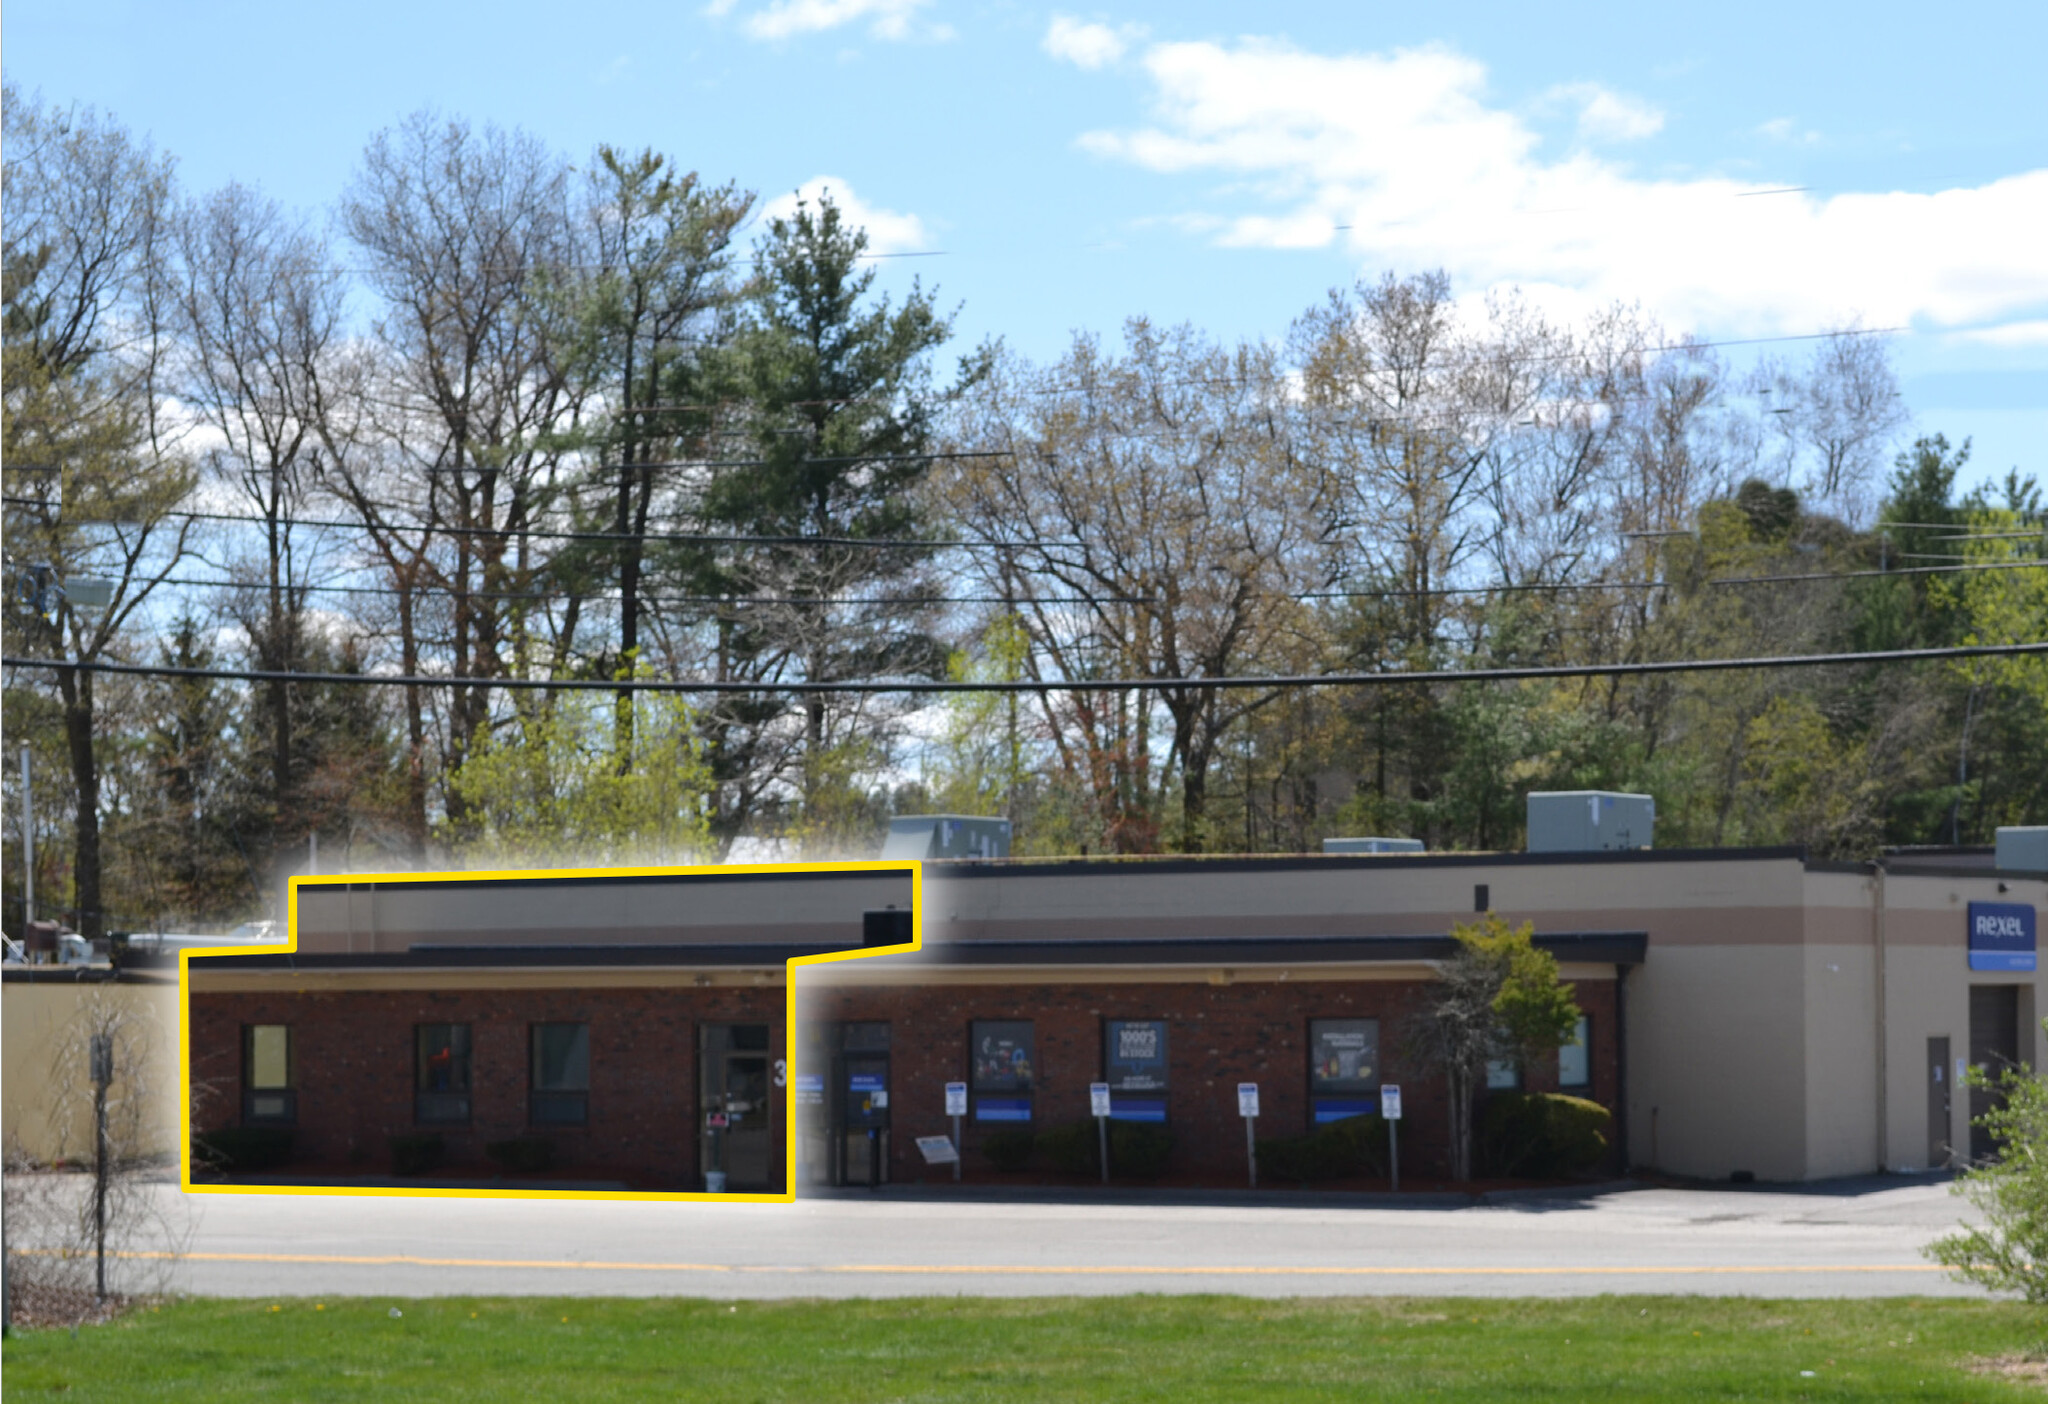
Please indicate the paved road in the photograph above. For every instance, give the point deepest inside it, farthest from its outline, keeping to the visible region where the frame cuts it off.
(1850, 1240)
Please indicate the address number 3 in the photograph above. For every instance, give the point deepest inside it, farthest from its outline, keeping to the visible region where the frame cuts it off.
(781, 1072)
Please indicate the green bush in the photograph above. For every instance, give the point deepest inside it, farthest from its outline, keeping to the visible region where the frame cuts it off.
(415, 1154)
(1010, 1148)
(522, 1153)
(1357, 1145)
(2008, 1251)
(237, 1148)
(1138, 1150)
(1540, 1135)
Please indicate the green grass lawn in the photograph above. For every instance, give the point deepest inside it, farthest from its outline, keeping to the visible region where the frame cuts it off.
(1180, 1350)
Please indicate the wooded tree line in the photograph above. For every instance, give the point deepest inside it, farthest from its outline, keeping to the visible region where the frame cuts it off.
(500, 418)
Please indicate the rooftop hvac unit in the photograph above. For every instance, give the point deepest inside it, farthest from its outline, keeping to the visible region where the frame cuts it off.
(1372, 845)
(2023, 850)
(1589, 821)
(947, 836)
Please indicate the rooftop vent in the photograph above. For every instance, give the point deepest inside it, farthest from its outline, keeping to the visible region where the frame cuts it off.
(1588, 821)
(947, 836)
(1372, 845)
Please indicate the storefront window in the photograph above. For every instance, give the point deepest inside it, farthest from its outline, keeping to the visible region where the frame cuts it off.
(1003, 1057)
(1343, 1068)
(1134, 1064)
(1574, 1059)
(441, 1072)
(560, 1094)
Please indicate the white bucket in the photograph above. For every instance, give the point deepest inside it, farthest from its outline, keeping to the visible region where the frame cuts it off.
(714, 1182)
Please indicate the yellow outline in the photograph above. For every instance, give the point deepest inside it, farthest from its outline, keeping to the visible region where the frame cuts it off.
(788, 1196)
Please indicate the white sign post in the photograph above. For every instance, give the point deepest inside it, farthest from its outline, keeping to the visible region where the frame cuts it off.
(1390, 1110)
(1098, 1107)
(956, 1107)
(1248, 1108)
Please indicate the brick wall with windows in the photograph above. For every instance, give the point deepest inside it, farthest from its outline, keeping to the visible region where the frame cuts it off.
(1219, 1035)
(354, 1058)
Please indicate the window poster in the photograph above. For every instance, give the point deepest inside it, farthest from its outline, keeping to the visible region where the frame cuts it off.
(1004, 1054)
(1134, 1054)
(1344, 1055)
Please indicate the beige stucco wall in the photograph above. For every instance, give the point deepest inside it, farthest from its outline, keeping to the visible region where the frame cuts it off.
(46, 1109)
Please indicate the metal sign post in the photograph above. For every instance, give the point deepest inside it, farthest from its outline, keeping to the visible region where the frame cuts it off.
(956, 1107)
(1248, 1108)
(1390, 1110)
(1098, 1107)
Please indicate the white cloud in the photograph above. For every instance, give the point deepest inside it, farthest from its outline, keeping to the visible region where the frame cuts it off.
(1403, 154)
(888, 231)
(2012, 335)
(1088, 45)
(1786, 130)
(784, 19)
(1608, 116)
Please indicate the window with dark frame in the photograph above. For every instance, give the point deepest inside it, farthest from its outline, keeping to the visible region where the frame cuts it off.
(1574, 1059)
(440, 1073)
(559, 1094)
(1343, 1069)
(269, 1092)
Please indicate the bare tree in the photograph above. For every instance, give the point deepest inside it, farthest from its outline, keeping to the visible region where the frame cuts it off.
(94, 476)
(1156, 523)
(259, 311)
(1836, 418)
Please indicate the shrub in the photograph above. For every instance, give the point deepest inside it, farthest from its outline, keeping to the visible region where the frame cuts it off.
(2009, 1251)
(1541, 1135)
(522, 1153)
(236, 1148)
(1357, 1145)
(1071, 1148)
(1010, 1148)
(1138, 1151)
(415, 1154)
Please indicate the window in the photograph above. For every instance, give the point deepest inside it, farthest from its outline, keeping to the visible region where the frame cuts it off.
(268, 1094)
(1503, 1075)
(1003, 1058)
(560, 1090)
(441, 1072)
(1574, 1059)
(1343, 1068)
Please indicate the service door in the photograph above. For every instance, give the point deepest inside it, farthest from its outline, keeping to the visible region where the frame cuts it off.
(1940, 1084)
(860, 1092)
(1994, 1047)
(735, 1087)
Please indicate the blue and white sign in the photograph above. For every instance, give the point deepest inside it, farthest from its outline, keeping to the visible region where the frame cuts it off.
(2001, 936)
(956, 1099)
(1098, 1099)
(866, 1082)
(1002, 1109)
(810, 1089)
(1247, 1099)
(1390, 1101)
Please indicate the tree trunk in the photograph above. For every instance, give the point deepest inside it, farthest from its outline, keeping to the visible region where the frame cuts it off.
(76, 688)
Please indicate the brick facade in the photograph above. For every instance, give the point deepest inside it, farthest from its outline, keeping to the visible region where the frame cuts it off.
(354, 1056)
(1218, 1036)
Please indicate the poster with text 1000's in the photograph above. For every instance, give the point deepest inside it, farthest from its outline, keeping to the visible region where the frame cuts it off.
(1134, 1054)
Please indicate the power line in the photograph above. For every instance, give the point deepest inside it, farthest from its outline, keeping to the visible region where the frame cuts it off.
(928, 685)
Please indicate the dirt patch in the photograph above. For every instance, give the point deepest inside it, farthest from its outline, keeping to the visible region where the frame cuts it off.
(42, 1306)
(2024, 1367)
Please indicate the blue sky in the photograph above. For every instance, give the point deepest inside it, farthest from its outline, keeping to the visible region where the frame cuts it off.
(1227, 165)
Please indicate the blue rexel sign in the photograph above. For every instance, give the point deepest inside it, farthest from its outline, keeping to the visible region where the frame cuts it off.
(2001, 936)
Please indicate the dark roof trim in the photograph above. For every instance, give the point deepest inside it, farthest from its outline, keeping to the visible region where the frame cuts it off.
(125, 974)
(1602, 947)
(1323, 862)
(604, 880)
(435, 957)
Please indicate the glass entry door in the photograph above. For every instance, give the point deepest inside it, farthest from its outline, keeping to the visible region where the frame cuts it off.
(857, 1103)
(736, 1112)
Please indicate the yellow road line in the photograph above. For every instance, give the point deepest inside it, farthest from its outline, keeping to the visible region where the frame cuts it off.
(1021, 1270)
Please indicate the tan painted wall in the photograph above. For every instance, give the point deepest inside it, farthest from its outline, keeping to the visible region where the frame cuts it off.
(34, 1019)
(1928, 981)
